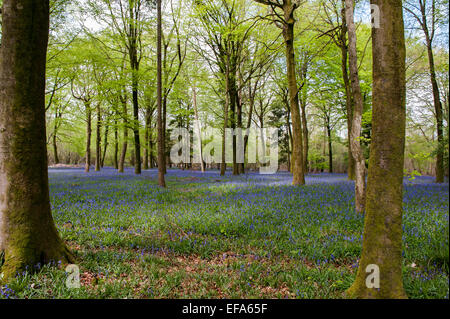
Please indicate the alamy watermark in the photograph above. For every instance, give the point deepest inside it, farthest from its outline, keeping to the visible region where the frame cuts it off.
(259, 144)
(73, 276)
(375, 16)
(373, 277)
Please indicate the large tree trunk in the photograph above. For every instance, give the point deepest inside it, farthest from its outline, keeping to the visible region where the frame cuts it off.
(382, 238)
(27, 231)
(98, 147)
(88, 137)
(161, 161)
(297, 147)
(355, 145)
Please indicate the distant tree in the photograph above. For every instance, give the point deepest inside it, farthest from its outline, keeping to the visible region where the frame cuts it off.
(83, 89)
(283, 12)
(335, 20)
(429, 15)
(126, 18)
(355, 132)
(161, 151)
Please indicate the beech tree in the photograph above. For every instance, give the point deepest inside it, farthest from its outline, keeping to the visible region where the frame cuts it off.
(334, 18)
(355, 131)
(161, 151)
(283, 12)
(382, 237)
(429, 15)
(83, 90)
(27, 231)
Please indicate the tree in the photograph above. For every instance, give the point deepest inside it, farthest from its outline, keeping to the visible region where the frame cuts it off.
(161, 151)
(355, 132)
(27, 231)
(382, 237)
(225, 31)
(335, 18)
(197, 124)
(126, 18)
(325, 102)
(83, 90)
(286, 21)
(171, 66)
(429, 17)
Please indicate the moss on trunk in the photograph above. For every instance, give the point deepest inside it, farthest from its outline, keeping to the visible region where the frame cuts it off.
(27, 231)
(382, 238)
(297, 135)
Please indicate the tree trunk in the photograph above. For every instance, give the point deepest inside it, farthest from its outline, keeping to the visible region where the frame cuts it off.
(223, 164)
(137, 143)
(436, 99)
(150, 141)
(134, 63)
(297, 147)
(197, 127)
(349, 109)
(105, 145)
(355, 145)
(249, 121)
(305, 136)
(164, 125)
(55, 149)
(88, 137)
(146, 129)
(125, 135)
(161, 161)
(240, 166)
(330, 148)
(116, 145)
(232, 101)
(27, 231)
(55, 131)
(98, 148)
(382, 237)
(288, 153)
(291, 140)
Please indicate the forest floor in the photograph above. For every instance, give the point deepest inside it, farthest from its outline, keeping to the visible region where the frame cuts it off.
(206, 236)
